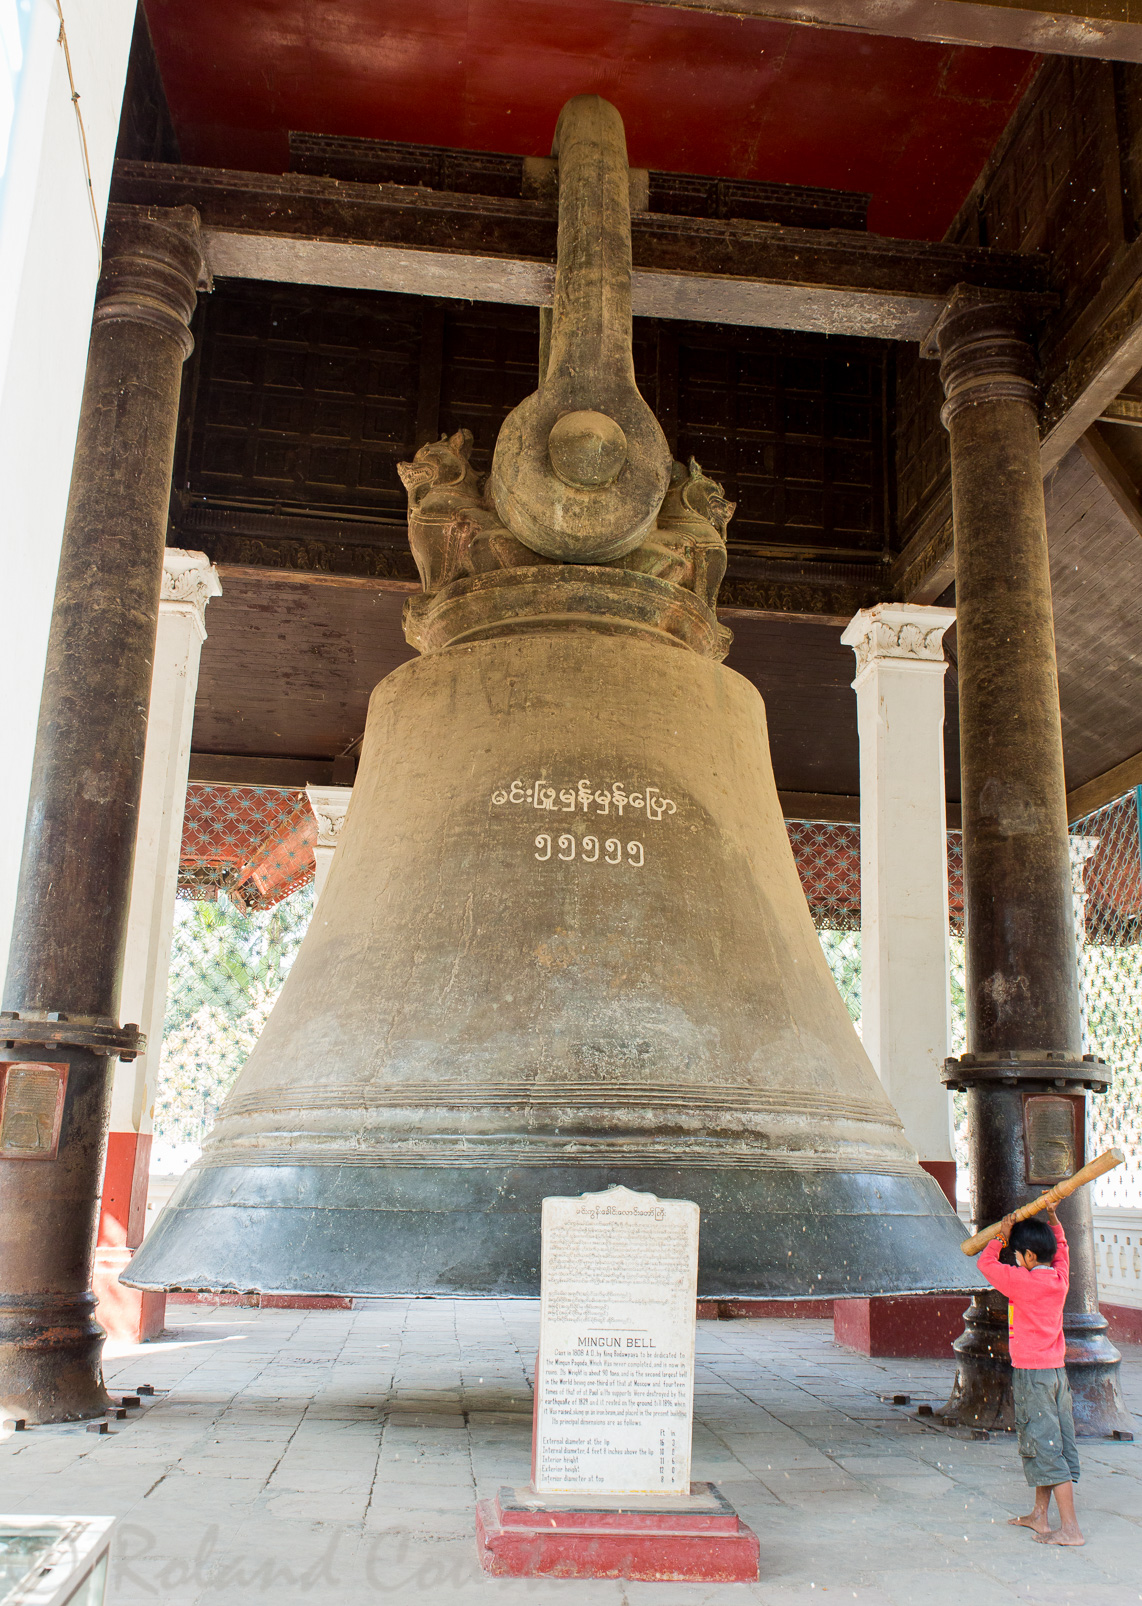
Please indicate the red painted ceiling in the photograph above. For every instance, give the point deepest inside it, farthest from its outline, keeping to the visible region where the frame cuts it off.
(701, 93)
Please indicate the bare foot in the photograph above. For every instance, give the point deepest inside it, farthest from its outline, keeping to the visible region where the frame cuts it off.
(1033, 1520)
(1060, 1536)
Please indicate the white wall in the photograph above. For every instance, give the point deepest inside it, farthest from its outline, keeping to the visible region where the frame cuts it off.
(49, 264)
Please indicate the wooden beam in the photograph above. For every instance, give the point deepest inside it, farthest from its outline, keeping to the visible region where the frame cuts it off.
(824, 808)
(829, 808)
(1104, 788)
(242, 769)
(1109, 29)
(395, 237)
(313, 577)
(1123, 410)
(1099, 452)
(763, 589)
(792, 594)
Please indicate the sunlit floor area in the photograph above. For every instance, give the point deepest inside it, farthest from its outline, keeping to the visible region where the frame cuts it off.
(337, 1456)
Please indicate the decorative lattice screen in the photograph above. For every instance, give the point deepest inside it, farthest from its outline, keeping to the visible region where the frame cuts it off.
(1106, 852)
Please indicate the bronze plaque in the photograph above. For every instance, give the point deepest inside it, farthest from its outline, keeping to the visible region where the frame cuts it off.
(1052, 1136)
(31, 1109)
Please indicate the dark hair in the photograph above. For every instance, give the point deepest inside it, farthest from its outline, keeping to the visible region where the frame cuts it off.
(1035, 1235)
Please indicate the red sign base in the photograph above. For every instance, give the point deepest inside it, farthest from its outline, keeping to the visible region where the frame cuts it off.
(696, 1538)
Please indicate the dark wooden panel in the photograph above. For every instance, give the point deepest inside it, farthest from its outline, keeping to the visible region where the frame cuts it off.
(146, 132)
(437, 167)
(1063, 180)
(804, 675)
(1055, 184)
(304, 400)
(288, 665)
(490, 363)
(794, 427)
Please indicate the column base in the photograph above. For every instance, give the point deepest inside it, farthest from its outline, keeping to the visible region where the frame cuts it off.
(981, 1394)
(127, 1315)
(910, 1327)
(697, 1538)
(50, 1350)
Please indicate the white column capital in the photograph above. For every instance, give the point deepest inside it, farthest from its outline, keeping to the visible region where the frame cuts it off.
(898, 633)
(329, 804)
(189, 582)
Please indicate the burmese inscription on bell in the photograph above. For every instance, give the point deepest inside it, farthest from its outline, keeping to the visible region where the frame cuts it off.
(615, 1375)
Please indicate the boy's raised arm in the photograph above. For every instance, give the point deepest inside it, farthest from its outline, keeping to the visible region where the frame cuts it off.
(1004, 1278)
(1062, 1261)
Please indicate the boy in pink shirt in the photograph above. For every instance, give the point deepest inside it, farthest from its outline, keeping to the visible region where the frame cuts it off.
(1036, 1287)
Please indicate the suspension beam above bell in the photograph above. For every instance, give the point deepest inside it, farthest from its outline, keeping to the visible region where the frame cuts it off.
(563, 943)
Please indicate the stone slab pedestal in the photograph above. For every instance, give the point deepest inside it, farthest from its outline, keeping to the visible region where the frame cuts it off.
(695, 1538)
(914, 1327)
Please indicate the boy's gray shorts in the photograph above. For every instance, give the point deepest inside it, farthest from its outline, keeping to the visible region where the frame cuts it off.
(1044, 1417)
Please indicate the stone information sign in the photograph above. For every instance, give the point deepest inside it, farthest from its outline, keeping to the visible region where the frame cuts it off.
(615, 1375)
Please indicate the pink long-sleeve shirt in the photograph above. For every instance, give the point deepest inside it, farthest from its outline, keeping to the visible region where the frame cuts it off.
(1035, 1311)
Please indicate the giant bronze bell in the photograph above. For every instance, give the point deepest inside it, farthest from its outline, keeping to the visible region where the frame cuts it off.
(563, 943)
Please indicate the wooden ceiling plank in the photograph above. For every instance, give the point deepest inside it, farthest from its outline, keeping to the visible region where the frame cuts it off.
(1104, 788)
(1101, 28)
(1099, 452)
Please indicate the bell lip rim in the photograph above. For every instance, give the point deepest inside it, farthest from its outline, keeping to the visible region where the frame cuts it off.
(908, 1291)
(503, 1261)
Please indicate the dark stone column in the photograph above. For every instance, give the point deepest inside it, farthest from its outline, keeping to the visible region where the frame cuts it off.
(1025, 1074)
(59, 1031)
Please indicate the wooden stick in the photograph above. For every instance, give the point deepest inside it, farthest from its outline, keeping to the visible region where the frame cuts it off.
(1096, 1168)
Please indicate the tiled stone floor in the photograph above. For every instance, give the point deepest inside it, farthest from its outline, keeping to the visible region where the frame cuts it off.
(336, 1457)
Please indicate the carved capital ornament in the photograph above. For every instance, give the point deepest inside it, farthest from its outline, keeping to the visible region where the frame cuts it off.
(898, 632)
